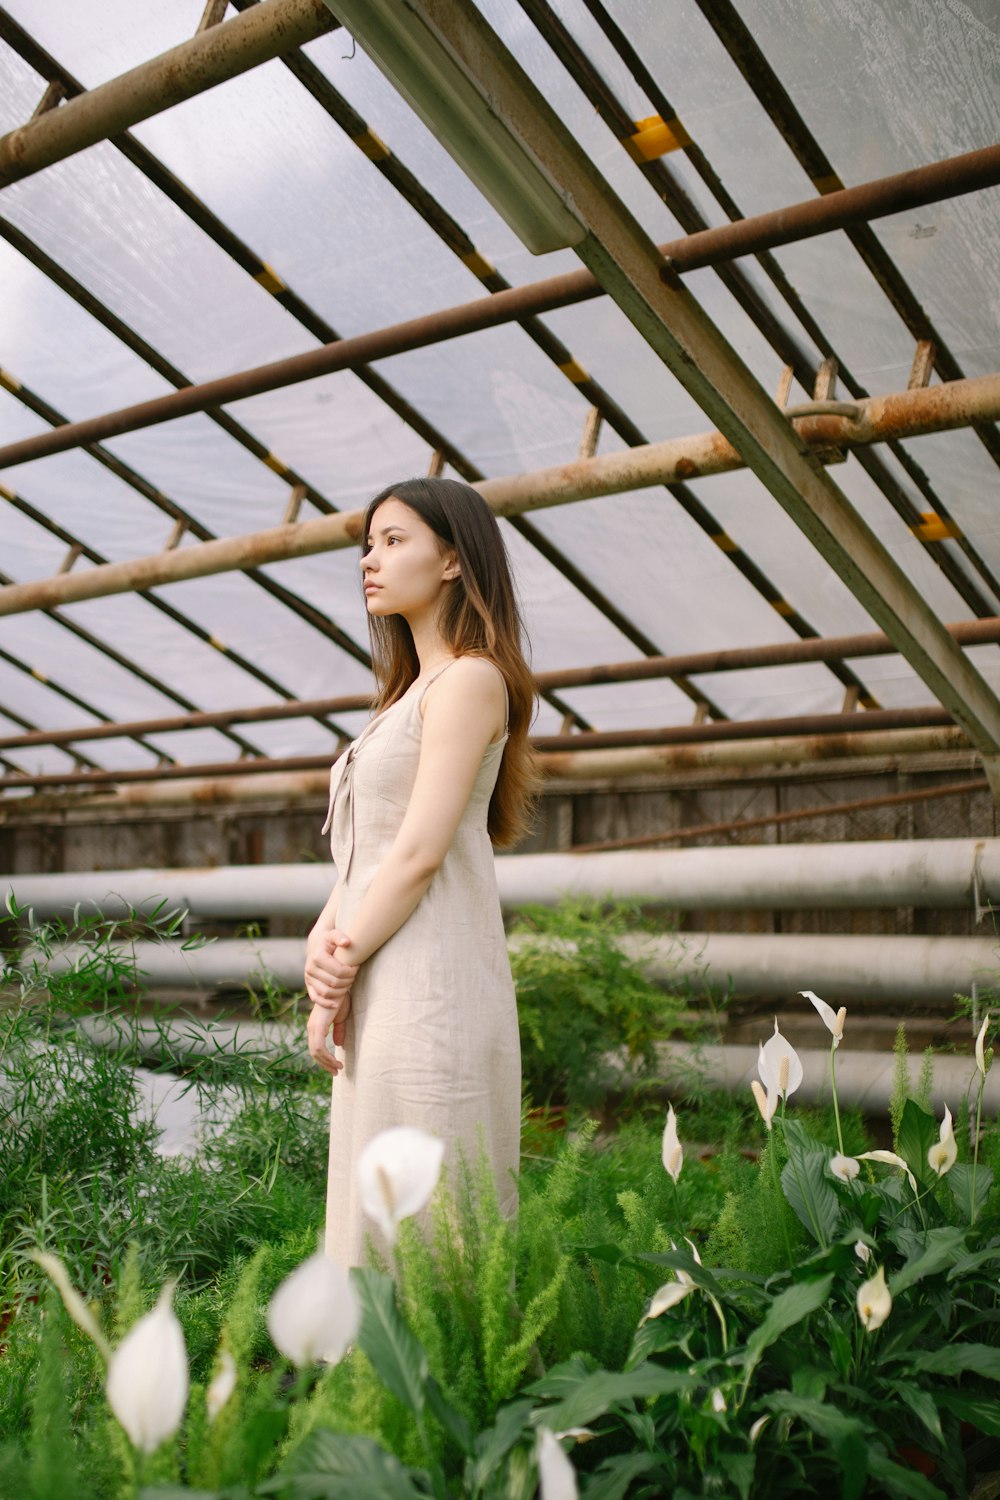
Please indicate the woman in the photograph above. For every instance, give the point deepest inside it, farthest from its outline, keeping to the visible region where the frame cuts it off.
(407, 961)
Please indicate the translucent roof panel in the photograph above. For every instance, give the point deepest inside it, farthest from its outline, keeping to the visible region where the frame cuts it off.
(347, 208)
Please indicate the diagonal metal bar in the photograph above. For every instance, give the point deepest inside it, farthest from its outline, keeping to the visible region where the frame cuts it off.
(738, 41)
(670, 190)
(652, 296)
(62, 691)
(104, 647)
(178, 617)
(198, 64)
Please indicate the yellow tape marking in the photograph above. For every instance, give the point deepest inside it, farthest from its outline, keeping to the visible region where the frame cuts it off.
(479, 265)
(38, 675)
(6, 493)
(274, 463)
(269, 279)
(574, 372)
(654, 137)
(724, 542)
(829, 184)
(371, 145)
(867, 701)
(213, 640)
(8, 381)
(782, 607)
(934, 528)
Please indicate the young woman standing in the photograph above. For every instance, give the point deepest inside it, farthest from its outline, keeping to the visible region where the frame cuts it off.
(407, 961)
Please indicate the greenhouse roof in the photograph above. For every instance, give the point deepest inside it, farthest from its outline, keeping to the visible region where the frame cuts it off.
(303, 202)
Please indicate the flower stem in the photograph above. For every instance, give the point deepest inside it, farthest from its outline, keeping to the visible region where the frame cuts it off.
(975, 1145)
(833, 1090)
(779, 1200)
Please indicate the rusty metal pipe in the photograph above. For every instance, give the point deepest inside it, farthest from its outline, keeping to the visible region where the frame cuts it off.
(973, 171)
(930, 409)
(209, 58)
(784, 653)
(813, 725)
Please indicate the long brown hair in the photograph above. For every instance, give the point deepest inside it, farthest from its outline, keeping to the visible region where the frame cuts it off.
(480, 617)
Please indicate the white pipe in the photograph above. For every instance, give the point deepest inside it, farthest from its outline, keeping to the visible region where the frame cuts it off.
(919, 970)
(864, 1079)
(955, 873)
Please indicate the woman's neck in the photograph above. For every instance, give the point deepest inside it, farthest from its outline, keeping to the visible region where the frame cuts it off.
(432, 649)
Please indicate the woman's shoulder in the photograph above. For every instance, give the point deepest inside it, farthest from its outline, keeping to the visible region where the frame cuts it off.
(475, 678)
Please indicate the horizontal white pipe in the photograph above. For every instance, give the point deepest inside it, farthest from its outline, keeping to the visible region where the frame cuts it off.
(839, 967)
(864, 1079)
(955, 873)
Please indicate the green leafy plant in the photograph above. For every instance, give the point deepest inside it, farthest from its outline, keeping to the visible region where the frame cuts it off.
(583, 997)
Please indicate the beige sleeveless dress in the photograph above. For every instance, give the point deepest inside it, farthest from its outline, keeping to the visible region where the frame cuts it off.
(432, 1039)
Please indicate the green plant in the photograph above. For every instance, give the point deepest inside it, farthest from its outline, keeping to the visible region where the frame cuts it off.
(583, 997)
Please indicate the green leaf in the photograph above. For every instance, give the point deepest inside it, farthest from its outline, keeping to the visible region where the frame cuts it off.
(826, 1420)
(785, 1311)
(940, 1248)
(738, 1468)
(907, 1484)
(616, 1475)
(808, 1188)
(921, 1403)
(493, 1445)
(960, 1359)
(983, 1414)
(339, 1466)
(454, 1423)
(388, 1342)
(598, 1392)
(960, 1182)
(918, 1132)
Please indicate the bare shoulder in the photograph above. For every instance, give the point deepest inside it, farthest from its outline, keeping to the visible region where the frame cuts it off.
(472, 682)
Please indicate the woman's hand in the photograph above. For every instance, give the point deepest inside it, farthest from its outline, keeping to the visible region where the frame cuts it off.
(328, 974)
(320, 1020)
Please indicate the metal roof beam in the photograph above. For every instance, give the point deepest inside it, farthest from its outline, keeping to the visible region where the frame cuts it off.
(652, 296)
(209, 58)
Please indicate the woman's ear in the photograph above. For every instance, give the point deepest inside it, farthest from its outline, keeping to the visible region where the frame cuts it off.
(452, 568)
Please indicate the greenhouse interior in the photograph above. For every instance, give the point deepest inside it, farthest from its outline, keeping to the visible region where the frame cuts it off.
(702, 299)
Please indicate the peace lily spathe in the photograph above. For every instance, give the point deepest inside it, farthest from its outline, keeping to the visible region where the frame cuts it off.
(942, 1155)
(844, 1167)
(556, 1475)
(397, 1173)
(834, 1022)
(147, 1383)
(78, 1310)
(672, 1292)
(874, 1301)
(673, 1151)
(778, 1065)
(222, 1387)
(315, 1312)
(890, 1159)
(981, 1045)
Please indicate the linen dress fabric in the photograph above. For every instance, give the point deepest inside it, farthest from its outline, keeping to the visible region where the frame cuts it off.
(432, 1039)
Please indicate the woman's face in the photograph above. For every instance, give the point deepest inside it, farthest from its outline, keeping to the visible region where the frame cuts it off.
(407, 567)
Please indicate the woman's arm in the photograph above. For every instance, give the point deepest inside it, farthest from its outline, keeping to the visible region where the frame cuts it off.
(463, 712)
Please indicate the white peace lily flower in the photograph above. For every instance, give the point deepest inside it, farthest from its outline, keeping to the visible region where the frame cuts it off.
(942, 1155)
(556, 1475)
(718, 1401)
(666, 1297)
(147, 1383)
(981, 1045)
(874, 1301)
(398, 1171)
(844, 1167)
(862, 1251)
(73, 1302)
(757, 1428)
(778, 1065)
(315, 1313)
(834, 1023)
(673, 1151)
(766, 1103)
(890, 1159)
(222, 1387)
(578, 1434)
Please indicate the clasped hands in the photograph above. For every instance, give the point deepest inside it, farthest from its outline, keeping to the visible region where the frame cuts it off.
(329, 976)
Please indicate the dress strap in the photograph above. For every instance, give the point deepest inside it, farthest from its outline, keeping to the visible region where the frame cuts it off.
(506, 696)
